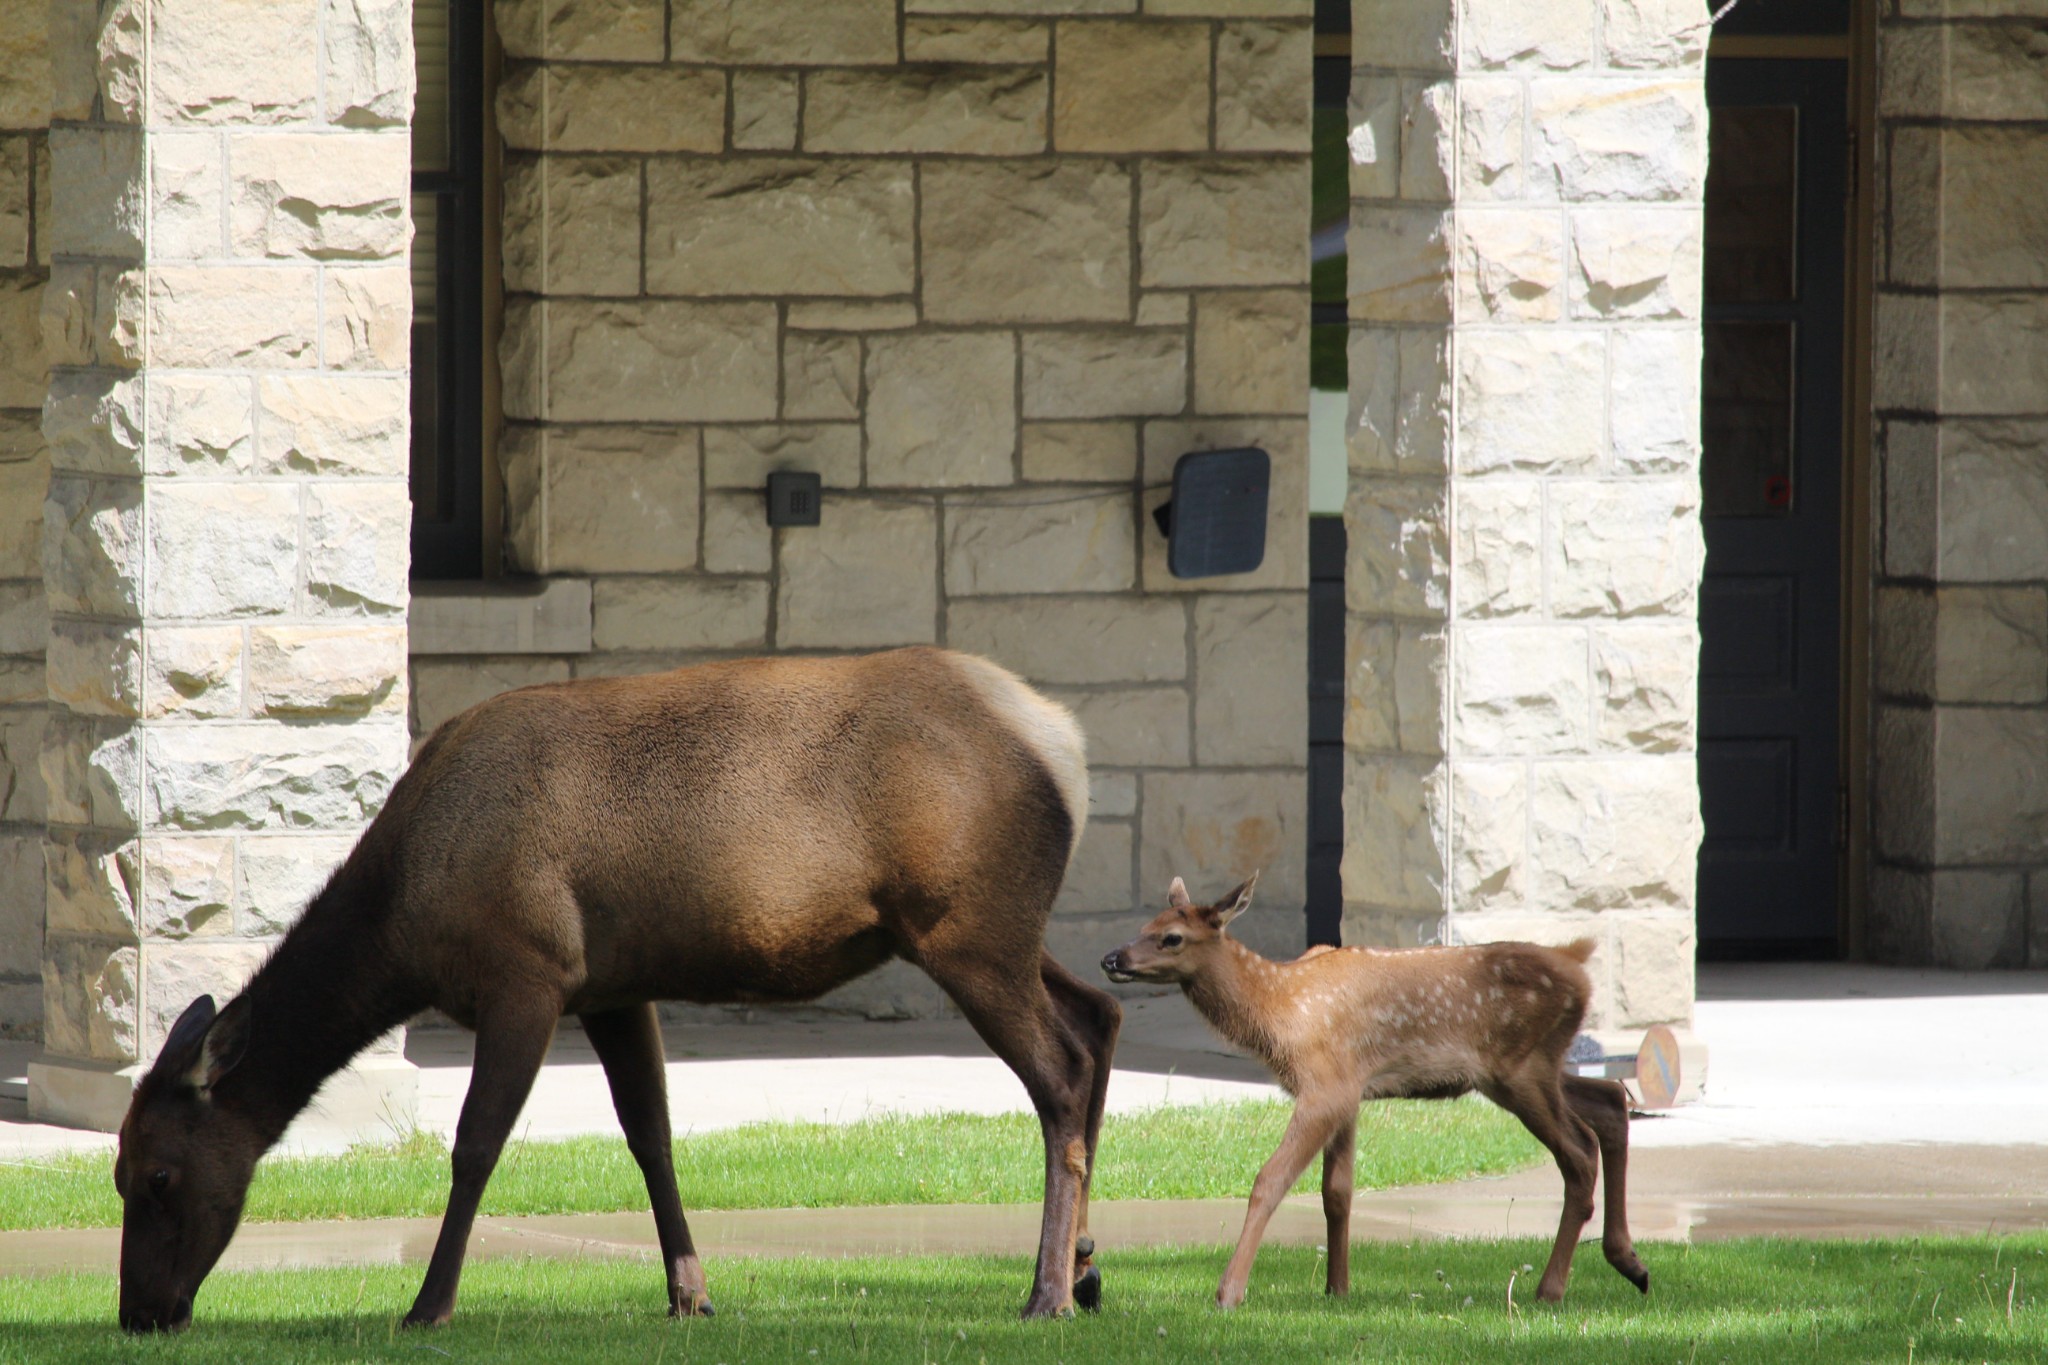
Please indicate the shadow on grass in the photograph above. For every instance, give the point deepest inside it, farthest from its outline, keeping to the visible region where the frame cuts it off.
(1737, 1301)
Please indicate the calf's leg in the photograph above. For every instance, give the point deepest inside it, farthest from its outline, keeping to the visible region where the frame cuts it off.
(1603, 1105)
(1308, 1132)
(1538, 1101)
(1339, 1157)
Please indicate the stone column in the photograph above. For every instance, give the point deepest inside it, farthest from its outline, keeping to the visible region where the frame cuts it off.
(225, 540)
(1960, 745)
(1524, 507)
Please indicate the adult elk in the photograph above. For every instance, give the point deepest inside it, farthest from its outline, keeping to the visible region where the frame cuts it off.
(1338, 1026)
(761, 830)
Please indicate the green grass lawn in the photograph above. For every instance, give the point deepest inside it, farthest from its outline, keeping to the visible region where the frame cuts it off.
(1185, 1152)
(1733, 1301)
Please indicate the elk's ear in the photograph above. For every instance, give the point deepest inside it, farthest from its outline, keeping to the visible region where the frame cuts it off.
(182, 1044)
(222, 1047)
(1177, 895)
(1237, 902)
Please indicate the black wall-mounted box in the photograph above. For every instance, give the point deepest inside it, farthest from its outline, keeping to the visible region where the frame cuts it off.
(1215, 521)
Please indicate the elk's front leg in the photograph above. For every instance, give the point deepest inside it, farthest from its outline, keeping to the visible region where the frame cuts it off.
(1308, 1132)
(1338, 1159)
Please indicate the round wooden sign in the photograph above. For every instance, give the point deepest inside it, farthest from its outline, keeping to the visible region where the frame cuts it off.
(1657, 1073)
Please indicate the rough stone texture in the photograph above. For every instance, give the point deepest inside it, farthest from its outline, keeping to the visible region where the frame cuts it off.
(976, 110)
(1022, 543)
(602, 500)
(314, 672)
(327, 197)
(764, 110)
(653, 360)
(1520, 690)
(1530, 399)
(315, 424)
(868, 576)
(249, 776)
(1616, 141)
(821, 377)
(799, 33)
(1128, 85)
(1624, 548)
(444, 688)
(1099, 878)
(1251, 683)
(1251, 350)
(279, 875)
(1025, 241)
(743, 457)
(1614, 833)
(1103, 373)
(580, 30)
(1078, 452)
(941, 409)
(838, 227)
(566, 108)
(660, 613)
(1215, 829)
(1083, 639)
(572, 225)
(1008, 41)
(1267, 109)
(1133, 727)
(1220, 222)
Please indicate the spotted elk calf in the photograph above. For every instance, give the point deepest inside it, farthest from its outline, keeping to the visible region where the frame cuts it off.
(760, 830)
(1338, 1026)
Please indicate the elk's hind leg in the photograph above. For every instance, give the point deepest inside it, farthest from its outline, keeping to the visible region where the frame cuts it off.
(1095, 1016)
(1308, 1132)
(1604, 1107)
(628, 1042)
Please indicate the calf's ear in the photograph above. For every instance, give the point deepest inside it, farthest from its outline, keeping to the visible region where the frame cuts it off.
(1177, 895)
(1236, 903)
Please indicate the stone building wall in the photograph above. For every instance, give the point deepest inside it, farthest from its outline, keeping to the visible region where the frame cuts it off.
(1960, 720)
(25, 97)
(1525, 548)
(989, 276)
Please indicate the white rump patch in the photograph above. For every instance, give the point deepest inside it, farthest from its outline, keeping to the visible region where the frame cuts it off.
(1047, 729)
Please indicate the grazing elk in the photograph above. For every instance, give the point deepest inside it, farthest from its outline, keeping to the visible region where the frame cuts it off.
(1342, 1025)
(762, 830)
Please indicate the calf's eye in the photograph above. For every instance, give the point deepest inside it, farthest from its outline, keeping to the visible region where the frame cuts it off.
(1170, 941)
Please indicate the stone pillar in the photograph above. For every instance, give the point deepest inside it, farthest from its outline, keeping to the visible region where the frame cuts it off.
(1527, 217)
(225, 539)
(1960, 745)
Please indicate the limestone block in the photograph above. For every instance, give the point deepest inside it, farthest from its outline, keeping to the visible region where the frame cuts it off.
(1510, 265)
(608, 500)
(1653, 383)
(1652, 970)
(1993, 496)
(236, 61)
(615, 109)
(262, 775)
(971, 110)
(572, 225)
(1251, 351)
(1618, 833)
(1994, 71)
(1111, 795)
(1404, 33)
(1008, 41)
(852, 315)
(1025, 241)
(764, 110)
(821, 378)
(1165, 308)
(737, 538)
(1373, 142)
(1556, 35)
(1099, 877)
(1645, 687)
(1396, 840)
(1099, 372)
(191, 672)
(647, 360)
(314, 672)
(90, 999)
(1498, 548)
(188, 887)
(24, 366)
(1991, 645)
(1902, 791)
(1994, 352)
(1902, 642)
(55, 324)
(25, 49)
(1913, 194)
(92, 546)
(1400, 558)
(24, 618)
(358, 549)
(1132, 85)
(1251, 680)
(1285, 440)
(95, 421)
(941, 409)
(443, 688)
(1520, 690)
(25, 738)
(223, 550)
(200, 423)
(92, 883)
(1908, 456)
(117, 39)
(1398, 263)
(1215, 829)
(324, 196)
(1400, 401)
(1079, 452)
(95, 668)
(579, 30)
(1654, 34)
(229, 317)
(23, 484)
(1024, 543)
(1394, 697)
(1614, 140)
(21, 437)
(743, 457)
(679, 613)
(1491, 125)
(1636, 263)
(1990, 797)
(176, 975)
(22, 897)
(775, 226)
(1531, 399)
(1489, 835)
(1220, 221)
(1086, 639)
(72, 56)
(1136, 727)
(797, 33)
(332, 424)
(1625, 548)
(367, 77)
(367, 318)
(96, 192)
(22, 682)
(1978, 920)
(1988, 233)
(1264, 71)
(1907, 340)
(867, 576)
(280, 875)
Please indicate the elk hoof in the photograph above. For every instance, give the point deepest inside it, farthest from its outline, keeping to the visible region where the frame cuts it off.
(1088, 1290)
(1084, 1247)
(700, 1308)
(1640, 1278)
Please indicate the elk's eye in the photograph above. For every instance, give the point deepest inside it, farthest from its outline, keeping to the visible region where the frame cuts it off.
(1170, 941)
(159, 1180)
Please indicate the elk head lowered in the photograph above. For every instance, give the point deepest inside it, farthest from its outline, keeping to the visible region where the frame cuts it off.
(182, 1168)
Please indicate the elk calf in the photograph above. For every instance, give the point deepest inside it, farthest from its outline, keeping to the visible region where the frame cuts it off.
(1342, 1025)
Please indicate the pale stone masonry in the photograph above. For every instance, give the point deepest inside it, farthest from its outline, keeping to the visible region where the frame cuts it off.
(989, 276)
(1960, 719)
(224, 538)
(1525, 547)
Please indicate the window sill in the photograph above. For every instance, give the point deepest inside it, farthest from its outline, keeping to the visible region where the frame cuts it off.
(500, 616)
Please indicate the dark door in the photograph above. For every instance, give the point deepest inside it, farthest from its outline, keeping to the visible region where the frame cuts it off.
(1771, 484)
(1326, 541)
